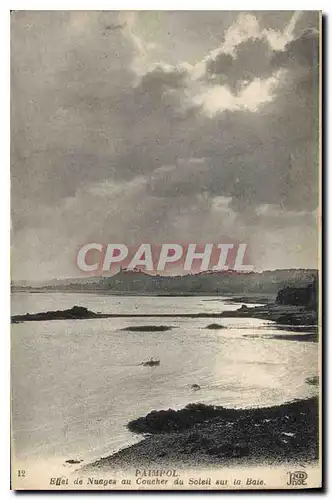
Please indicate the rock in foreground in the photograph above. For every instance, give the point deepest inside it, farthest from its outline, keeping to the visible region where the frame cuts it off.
(201, 435)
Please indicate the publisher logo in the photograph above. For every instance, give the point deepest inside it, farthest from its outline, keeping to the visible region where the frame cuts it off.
(297, 478)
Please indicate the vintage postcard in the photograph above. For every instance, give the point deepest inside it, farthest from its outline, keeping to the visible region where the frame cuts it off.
(166, 250)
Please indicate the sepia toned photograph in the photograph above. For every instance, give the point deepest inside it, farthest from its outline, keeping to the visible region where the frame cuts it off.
(166, 295)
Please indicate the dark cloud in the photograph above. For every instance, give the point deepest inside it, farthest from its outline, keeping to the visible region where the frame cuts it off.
(252, 59)
(255, 58)
(303, 51)
(107, 126)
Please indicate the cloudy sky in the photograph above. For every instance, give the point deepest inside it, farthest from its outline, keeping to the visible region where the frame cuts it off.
(131, 127)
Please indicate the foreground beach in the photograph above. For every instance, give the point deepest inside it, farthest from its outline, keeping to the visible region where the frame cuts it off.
(201, 435)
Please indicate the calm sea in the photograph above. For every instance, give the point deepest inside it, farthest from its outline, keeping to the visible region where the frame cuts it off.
(76, 384)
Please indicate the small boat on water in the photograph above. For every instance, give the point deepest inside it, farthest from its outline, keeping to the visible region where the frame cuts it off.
(151, 362)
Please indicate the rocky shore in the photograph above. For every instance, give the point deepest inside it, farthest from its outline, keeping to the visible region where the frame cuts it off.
(200, 435)
(76, 312)
(281, 314)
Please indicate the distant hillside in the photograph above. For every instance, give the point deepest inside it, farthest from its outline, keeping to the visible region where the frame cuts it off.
(230, 282)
